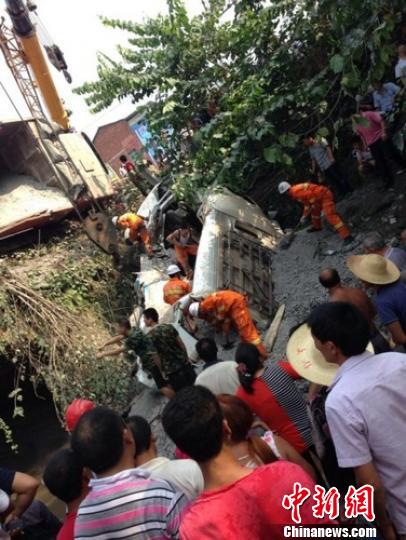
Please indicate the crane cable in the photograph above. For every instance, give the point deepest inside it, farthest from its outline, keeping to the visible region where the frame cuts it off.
(11, 101)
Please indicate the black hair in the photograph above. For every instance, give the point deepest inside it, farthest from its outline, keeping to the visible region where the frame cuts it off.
(355, 139)
(63, 475)
(293, 328)
(194, 421)
(342, 324)
(247, 355)
(98, 439)
(367, 102)
(125, 323)
(151, 313)
(184, 223)
(207, 350)
(329, 277)
(123, 158)
(142, 433)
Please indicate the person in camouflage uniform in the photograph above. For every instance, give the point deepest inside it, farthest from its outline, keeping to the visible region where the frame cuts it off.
(161, 351)
(171, 351)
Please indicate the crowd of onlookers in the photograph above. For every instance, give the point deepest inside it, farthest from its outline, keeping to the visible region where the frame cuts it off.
(372, 143)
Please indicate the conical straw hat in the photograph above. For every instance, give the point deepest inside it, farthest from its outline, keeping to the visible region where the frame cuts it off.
(373, 269)
(307, 360)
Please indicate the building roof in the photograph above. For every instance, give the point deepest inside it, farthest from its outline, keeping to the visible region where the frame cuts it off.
(133, 116)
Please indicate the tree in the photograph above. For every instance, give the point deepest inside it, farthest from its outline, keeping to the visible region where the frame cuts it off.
(233, 90)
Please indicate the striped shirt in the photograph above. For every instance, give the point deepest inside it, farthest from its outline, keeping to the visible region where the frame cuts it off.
(277, 401)
(130, 504)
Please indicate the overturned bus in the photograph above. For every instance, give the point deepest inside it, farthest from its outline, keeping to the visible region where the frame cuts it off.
(235, 250)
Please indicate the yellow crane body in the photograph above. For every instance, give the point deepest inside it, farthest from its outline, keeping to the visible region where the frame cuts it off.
(36, 59)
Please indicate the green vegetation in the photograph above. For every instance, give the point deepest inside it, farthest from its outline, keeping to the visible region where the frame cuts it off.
(267, 72)
(58, 305)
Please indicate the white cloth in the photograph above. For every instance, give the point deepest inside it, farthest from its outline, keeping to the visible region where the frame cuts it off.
(4, 504)
(4, 501)
(222, 378)
(184, 474)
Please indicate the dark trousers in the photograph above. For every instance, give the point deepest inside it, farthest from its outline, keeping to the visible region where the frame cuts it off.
(382, 151)
(337, 179)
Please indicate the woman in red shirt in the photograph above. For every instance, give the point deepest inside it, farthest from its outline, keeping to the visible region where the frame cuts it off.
(271, 394)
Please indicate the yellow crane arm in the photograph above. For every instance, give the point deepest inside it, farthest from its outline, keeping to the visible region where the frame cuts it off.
(35, 57)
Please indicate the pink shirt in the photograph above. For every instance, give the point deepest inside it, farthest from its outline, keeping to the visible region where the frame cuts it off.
(373, 132)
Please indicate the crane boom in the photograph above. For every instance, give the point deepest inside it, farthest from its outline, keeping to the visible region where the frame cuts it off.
(35, 57)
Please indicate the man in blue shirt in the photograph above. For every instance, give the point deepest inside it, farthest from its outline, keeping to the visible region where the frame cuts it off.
(382, 275)
(384, 96)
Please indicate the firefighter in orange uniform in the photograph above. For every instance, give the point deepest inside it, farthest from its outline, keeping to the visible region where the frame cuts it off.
(185, 244)
(176, 287)
(226, 309)
(316, 199)
(134, 228)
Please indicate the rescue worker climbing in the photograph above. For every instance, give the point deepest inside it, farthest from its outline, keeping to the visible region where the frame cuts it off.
(176, 287)
(226, 309)
(185, 244)
(134, 229)
(316, 199)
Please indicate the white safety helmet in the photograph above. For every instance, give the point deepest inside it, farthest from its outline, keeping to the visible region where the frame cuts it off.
(114, 220)
(283, 187)
(173, 269)
(194, 309)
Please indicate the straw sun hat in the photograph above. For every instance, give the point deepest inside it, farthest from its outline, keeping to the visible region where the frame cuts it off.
(373, 269)
(307, 360)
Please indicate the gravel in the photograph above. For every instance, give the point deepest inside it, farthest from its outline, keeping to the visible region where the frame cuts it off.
(22, 197)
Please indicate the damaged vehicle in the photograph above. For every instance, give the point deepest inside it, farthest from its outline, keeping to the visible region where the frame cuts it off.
(235, 250)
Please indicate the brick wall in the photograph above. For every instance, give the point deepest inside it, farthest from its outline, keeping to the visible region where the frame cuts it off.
(115, 139)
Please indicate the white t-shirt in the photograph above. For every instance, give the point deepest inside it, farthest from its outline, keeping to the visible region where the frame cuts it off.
(222, 378)
(4, 504)
(184, 474)
(400, 68)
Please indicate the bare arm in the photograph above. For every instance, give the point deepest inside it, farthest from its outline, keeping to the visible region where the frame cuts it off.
(287, 452)
(367, 474)
(313, 167)
(113, 352)
(24, 487)
(314, 390)
(383, 128)
(358, 157)
(397, 333)
(172, 238)
(111, 341)
(330, 153)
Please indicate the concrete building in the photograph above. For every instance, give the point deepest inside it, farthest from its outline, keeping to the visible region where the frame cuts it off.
(128, 136)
